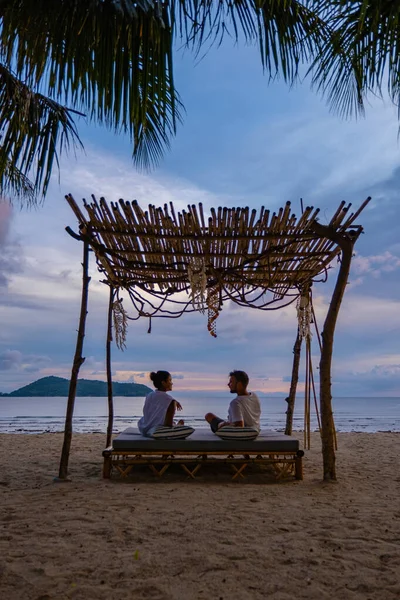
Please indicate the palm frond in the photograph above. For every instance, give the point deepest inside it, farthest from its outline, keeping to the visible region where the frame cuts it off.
(15, 185)
(109, 59)
(113, 59)
(363, 49)
(288, 32)
(32, 129)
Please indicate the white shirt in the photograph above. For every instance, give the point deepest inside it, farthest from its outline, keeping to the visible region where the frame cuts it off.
(246, 409)
(154, 410)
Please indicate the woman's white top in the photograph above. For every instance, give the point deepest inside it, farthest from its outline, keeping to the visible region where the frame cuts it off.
(155, 409)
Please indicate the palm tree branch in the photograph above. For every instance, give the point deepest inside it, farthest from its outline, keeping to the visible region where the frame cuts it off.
(110, 59)
(32, 130)
(15, 184)
(362, 51)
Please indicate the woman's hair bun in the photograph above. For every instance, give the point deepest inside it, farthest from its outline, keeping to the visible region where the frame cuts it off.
(158, 378)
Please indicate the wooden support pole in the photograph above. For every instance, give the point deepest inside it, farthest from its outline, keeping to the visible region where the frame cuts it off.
(78, 361)
(109, 374)
(298, 465)
(346, 244)
(293, 384)
(305, 405)
(107, 465)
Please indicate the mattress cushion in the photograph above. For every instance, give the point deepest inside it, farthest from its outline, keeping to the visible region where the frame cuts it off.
(204, 441)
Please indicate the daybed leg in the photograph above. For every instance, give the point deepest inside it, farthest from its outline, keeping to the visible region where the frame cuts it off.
(298, 465)
(107, 467)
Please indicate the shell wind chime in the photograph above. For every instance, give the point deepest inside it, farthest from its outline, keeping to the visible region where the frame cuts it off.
(304, 314)
(120, 317)
(213, 309)
(203, 298)
(198, 283)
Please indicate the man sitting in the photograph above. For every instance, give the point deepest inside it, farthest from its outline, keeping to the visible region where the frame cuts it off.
(244, 410)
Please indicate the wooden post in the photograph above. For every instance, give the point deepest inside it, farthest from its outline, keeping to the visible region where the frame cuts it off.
(78, 361)
(293, 384)
(298, 465)
(346, 243)
(109, 374)
(107, 464)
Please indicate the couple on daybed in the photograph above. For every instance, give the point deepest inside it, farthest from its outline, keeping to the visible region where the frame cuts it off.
(159, 410)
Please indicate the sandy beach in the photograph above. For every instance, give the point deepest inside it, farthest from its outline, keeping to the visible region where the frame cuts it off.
(172, 539)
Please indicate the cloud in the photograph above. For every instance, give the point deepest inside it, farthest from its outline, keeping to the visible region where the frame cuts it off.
(10, 251)
(380, 379)
(370, 314)
(10, 359)
(16, 360)
(376, 265)
(5, 219)
(105, 175)
(35, 364)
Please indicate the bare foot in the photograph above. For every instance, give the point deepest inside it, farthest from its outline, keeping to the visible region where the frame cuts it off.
(181, 422)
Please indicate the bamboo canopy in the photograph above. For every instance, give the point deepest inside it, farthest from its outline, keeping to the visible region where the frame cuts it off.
(173, 262)
(239, 253)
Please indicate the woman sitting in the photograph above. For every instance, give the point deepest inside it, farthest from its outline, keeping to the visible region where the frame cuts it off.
(159, 407)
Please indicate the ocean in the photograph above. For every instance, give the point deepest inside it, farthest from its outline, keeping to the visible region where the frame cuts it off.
(47, 415)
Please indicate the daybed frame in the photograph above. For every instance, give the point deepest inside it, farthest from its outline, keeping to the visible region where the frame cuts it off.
(123, 461)
(131, 449)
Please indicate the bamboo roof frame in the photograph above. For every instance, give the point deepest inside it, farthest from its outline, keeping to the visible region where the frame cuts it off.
(243, 253)
(175, 262)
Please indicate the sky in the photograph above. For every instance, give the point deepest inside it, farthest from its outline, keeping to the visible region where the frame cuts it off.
(244, 142)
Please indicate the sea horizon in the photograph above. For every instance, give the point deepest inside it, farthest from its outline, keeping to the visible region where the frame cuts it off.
(47, 414)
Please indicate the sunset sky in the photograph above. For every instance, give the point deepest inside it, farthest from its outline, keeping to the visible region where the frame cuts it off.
(244, 142)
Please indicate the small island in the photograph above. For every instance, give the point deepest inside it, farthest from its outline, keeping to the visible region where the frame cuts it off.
(58, 386)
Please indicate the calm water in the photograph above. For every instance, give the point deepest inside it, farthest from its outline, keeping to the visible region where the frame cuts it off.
(38, 415)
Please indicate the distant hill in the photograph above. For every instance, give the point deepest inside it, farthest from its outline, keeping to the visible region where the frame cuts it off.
(58, 386)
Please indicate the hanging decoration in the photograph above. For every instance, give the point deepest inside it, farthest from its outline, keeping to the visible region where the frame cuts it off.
(198, 283)
(120, 317)
(213, 303)
(304, 314)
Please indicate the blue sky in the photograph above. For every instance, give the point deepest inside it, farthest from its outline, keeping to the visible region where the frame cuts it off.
(244, 142)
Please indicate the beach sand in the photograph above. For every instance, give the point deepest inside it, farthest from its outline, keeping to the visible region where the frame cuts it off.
(172, 539)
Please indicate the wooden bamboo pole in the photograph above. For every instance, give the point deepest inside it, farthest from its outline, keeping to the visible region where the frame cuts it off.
(327, 426)
(108, 366)
(308, 380)
(306, 403)
(78, 361)
(293, 384)
(315, 395)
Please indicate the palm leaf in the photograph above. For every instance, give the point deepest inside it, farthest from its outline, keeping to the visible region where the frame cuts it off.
(289, 32)
(32, 128)
(361, 52)
(14, 184)
(113, 60)
(108, 59)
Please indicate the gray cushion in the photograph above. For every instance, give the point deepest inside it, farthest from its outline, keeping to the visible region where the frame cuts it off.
(204, 441)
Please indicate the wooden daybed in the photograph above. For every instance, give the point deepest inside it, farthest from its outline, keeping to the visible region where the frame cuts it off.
(130, 449)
